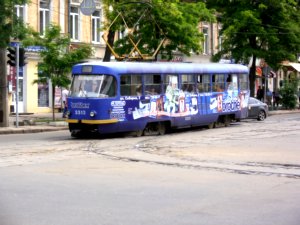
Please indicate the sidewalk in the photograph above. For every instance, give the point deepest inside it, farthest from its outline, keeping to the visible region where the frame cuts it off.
(33, 123)
(42, 122)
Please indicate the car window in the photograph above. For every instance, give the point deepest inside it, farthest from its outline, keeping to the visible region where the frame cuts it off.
(254, 101)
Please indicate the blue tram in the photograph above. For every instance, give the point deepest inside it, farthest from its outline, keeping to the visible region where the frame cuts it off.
(150, 98)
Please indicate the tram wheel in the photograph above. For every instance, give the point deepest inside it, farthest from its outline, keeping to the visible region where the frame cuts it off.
(76, 134)
(162, 128)
(139, 133)
(211, 125)
(227, 121)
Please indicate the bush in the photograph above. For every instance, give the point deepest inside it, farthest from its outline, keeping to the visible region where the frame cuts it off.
(289, 94)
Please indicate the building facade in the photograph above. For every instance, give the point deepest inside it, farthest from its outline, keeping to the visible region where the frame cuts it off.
(39, 14)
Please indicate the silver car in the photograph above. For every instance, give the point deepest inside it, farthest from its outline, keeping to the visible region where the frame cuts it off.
(257, 109)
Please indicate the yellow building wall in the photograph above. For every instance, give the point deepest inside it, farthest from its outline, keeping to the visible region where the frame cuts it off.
(33, 14)
(55, 12)
(32, 90)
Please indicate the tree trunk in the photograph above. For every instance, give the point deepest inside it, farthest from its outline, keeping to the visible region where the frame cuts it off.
(53, 102)
(4, 118)
(252, 76)
(110, 40)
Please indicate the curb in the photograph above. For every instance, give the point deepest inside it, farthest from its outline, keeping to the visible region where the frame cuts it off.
(280, 112)
(31, 129)
(62, 125)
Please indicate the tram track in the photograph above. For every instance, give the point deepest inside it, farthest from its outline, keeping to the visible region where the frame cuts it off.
(152, 155)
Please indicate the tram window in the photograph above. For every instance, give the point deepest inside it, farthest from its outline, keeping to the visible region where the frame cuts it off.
(131, 85)
(188, 83)
(243, 82)
(229, 85)
(203, 83)
(108, 86)
(231, 82)
(170, 80)
(98, 86)
(152, 84)
(218, 82)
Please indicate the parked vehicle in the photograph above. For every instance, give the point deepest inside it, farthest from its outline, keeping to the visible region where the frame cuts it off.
(257, 109)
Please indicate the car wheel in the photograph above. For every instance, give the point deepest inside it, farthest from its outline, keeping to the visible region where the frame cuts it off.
(261, 115)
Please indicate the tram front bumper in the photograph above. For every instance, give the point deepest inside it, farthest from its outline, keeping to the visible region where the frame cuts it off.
(108, 121)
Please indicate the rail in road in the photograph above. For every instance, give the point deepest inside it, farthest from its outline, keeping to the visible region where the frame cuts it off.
(230, 150)
(147, 153)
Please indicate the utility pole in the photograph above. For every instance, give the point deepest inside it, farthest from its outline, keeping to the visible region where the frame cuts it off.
(4, 114)
(17, 84)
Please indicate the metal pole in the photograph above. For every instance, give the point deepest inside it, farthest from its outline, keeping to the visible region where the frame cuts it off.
(17, 85)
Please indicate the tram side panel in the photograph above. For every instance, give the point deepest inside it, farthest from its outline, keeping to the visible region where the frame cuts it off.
(132, 113)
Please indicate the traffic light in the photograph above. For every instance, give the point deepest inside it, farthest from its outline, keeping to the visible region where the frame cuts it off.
(22, 57)
(12, 56)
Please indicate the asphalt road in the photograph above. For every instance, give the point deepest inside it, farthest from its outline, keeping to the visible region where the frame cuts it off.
(247, 173)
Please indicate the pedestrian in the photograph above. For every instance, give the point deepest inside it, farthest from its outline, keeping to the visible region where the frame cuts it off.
(64, 96)
(276, 98)
(260, 94)
(269, 97)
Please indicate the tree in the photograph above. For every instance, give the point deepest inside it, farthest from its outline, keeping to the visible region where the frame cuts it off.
(107, 5)
(176, 22)
(10, 27)
(57, 58)
(266, 29)
(289, 92)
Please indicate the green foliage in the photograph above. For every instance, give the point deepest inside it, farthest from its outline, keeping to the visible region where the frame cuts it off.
(176, 21)
(259, 29)
(289, 94)
(10, 25)
(267, 29)
(57, 59)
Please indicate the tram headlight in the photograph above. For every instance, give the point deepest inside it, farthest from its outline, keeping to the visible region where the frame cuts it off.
(68, 113)
(92, 114)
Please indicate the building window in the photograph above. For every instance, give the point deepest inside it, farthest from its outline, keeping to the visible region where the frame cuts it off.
(96, 23)
(20, 11)
(74, 23)
(220, 40)
(121, 34)
(44, 16)
(205, 40)
(43, 95)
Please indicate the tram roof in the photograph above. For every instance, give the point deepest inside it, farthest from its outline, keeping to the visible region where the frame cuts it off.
(158, 67)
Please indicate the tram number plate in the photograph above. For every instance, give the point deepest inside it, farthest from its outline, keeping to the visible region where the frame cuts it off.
(80, 112)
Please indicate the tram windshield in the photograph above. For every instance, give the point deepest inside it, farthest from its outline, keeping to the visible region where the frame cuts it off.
(97, 86)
